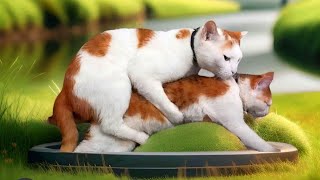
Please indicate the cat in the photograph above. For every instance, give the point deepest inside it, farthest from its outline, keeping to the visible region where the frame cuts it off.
(99, 80)
(223, 101)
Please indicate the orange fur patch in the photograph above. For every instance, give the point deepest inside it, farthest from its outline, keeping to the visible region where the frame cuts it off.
(235, 35)
(187, 91)
(139, 105)
(266, 95)
(254, 80)
(80, 107)
(63, 117)
(98, 45)
(182, 93)
(87, 136)
(69, 110)
(144, 36)
(183, 33)
(228, 44)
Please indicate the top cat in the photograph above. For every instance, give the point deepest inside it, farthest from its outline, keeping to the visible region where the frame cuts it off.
(99, 80)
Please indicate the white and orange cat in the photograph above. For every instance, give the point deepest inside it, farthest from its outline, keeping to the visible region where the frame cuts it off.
(223, 101)
(98, 82)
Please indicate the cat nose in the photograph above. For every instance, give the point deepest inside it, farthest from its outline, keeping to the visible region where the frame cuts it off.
(269, 103)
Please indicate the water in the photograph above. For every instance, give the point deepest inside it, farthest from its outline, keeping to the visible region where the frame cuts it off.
(49, 60)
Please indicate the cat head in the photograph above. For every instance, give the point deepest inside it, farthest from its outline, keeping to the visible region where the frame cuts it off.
(255, 93)
(218, 50)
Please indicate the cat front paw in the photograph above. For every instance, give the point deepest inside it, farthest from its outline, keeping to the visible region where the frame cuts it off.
(142, 138)
(270, 148)
(176, 117)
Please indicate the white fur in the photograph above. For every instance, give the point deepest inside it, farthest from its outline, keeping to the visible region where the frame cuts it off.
(213, 49)
(226, 110)
(106, 82)
(253, 106)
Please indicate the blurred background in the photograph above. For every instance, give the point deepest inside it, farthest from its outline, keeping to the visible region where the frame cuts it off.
(38, 39)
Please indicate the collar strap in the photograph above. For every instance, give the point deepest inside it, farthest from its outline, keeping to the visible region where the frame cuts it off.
(192, 45)
(236, 77)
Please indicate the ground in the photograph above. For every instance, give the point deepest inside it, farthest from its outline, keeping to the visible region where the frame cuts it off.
(21, 130)
(301, 108)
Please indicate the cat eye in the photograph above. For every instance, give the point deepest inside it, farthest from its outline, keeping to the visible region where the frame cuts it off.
(226, 58)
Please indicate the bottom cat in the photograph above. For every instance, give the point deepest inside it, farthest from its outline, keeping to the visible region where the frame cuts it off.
(223, 101)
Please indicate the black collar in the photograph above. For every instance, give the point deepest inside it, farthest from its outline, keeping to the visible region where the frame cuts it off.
(236, 77)
(192, 45)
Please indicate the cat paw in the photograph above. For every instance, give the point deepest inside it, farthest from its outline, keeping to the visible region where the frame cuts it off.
(142, 138)
(176, 117)
(270, 148)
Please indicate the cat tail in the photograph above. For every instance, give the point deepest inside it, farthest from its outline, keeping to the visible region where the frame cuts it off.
(64, 119)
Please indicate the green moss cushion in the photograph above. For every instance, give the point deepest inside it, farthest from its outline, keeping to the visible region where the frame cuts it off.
(205, 136)
(279, 129)
(201, 136)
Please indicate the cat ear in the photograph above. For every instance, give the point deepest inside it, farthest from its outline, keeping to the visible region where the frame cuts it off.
(205, 73)
(243, 33)
(265, 80)
(209, 31)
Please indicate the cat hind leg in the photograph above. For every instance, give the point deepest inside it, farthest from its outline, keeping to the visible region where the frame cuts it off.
(110, 98)
(153, 91)
(98, 142)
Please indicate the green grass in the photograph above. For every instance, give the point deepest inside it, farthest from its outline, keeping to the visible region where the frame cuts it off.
(297, 34)
(176, 8)
(20, 129)
(51, 174)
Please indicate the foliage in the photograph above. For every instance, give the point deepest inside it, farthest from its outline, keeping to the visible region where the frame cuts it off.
(297, 33)
(16, 12)
(23, 13)
(126, 8)
(105, 9)
(54, 12)
(32, 12)
(81, 11)
(175, 8)
(5, 19)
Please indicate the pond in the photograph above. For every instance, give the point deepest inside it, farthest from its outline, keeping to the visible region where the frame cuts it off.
(41, 65)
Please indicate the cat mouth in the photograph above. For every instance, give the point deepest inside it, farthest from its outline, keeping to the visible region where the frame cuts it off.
(258, 114)
(255, 113)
